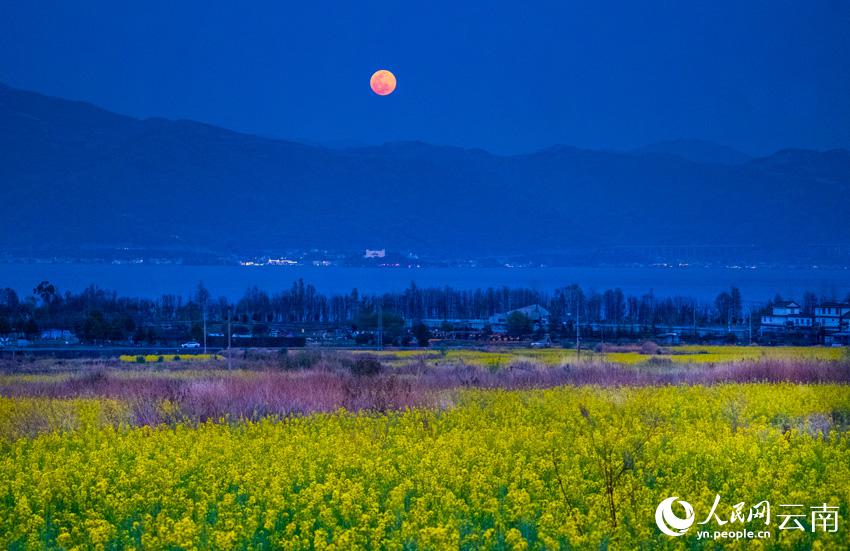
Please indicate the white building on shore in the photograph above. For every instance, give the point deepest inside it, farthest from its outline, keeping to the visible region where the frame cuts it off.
(831, 317)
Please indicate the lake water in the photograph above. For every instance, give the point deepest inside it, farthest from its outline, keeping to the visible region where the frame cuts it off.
(150, 280)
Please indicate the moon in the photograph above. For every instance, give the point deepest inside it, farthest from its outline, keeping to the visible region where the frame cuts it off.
(382, 82)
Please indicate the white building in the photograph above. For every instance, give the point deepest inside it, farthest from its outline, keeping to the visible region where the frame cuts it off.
(783, 316)
(497, 323)
(833, 316)
(804, 321)
(786, 308)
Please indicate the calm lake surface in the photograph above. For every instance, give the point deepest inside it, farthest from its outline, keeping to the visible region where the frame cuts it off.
(150, 280)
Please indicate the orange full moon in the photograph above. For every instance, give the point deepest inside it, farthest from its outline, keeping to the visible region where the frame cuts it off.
(382, 82)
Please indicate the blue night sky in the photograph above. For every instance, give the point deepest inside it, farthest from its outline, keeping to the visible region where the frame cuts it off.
(506, 76)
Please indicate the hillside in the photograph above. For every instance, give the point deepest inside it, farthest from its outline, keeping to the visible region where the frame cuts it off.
(73, 174)
(698, 151)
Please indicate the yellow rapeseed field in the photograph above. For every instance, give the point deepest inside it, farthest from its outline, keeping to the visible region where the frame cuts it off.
(568, 468)
(154, 358)
(496, 358)
(692, 354)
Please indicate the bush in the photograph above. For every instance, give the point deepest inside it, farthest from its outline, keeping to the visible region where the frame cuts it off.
(363, 338)
(300, 360)
(649, 348)
(365, 366)
(422, 334)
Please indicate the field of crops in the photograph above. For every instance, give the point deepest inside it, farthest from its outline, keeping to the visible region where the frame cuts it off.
(573, 467)
(159, 358)
(718, 354)
(688, 354)
(497, 358)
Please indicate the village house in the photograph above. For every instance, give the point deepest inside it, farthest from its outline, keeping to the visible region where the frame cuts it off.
(833, 316)
(61, 336)
(459, 323)
(778, 319)
(497, 323)
(538, 316)
(829, 317)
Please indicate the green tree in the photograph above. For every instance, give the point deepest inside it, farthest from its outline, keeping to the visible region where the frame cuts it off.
(197, 332)
(518, 324)
(736, 303)
(95, 327)
(140, 335)
(723, 304)
(47, 292)
(392, 324)
(9, 300)
(556, 326)
(421, 333)
(202, 295)
(31, 328)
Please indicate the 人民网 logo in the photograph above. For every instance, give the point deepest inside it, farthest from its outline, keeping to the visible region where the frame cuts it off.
(670, 523)
(735, 523)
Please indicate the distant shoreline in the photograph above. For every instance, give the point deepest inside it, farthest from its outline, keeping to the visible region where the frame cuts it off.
(154, 280)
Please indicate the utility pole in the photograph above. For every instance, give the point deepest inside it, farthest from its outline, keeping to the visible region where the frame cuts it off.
(380, 325)
(205, 328)
(750, 318)
(229, 333)
(695, 321)
(578, 334)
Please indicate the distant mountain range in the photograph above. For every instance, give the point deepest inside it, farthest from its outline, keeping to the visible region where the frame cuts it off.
(698, 151)
(72, 174)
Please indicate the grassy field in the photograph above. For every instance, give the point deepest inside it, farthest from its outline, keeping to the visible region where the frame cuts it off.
(689, 354)
(527, 449)
(496, 357)
(159, 358)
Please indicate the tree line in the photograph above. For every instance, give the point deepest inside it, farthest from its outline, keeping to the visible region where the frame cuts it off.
(96, 314)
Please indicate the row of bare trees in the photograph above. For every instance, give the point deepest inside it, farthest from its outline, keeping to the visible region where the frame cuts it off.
(303, 305)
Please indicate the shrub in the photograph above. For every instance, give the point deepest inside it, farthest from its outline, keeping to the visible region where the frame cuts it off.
(303, 359)
(366, 365)
(363, 338)
(649, 348)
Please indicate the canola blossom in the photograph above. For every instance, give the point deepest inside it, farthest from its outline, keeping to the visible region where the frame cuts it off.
(498, 469)
(686, 354)
(159, 358)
